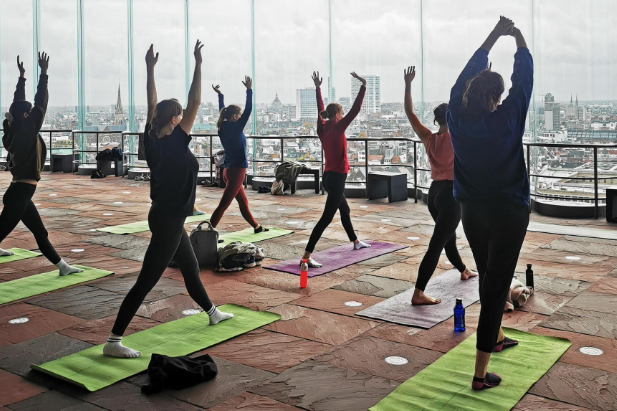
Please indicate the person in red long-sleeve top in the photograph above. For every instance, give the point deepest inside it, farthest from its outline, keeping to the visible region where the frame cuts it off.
(331, 126)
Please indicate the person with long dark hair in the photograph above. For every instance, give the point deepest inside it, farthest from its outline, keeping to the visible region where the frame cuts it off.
(490, 181)
(231, 123)
(172, 189)
(331, 126)
(444, 209)
(28, 152)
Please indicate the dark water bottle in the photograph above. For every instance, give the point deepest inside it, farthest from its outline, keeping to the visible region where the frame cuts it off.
(529, 276)
(459, 316)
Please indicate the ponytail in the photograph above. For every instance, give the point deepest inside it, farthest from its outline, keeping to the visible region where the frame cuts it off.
(331, 111)
(227, 113)
(163, 113)
(440, 114)
(323, 114)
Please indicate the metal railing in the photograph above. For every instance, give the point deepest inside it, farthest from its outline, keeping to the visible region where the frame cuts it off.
(79, 152)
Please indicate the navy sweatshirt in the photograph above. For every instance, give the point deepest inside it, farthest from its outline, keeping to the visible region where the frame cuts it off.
(488, 148)
(232, 134)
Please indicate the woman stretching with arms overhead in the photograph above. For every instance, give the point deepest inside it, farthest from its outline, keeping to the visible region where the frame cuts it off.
(172, 190)
(444, 209)
(22, 140)
(490, 181)
(231, 131)
(331, 126)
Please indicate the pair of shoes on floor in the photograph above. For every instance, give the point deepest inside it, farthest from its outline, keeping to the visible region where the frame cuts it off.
(97, 174)
(263, 189)
(142, 177)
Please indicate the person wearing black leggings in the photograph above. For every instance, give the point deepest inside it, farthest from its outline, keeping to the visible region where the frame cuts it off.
(490, 181)
(27, 152)
(444, 209)
(173, 183)
(331, 126)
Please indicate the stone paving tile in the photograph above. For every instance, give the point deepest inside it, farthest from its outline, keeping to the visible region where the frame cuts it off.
(583, 246)
(53, 401)
(600, 302)
(123, 396)
(534, 403)
(123, 242)
(17, 358)
(267, 350)
(521, 320)
(96, 332)
(168, 309)
(164, 288)
(559, 269)
(582, 386)
(606, 361)
(14, 388)
(583, 322)
(318, 326)
(334, 301)
(543, 303)
(84, 301)
(400, 271)
(232, 379)
(320, 387)
(375, 286)
(367, 355)
(557, 256)
(248, 295)
(558, 286)
(382, 260)
(606, 285)
(251, 402)
(135, 254)
(40, 322)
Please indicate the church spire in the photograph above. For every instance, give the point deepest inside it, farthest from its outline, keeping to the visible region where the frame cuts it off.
(119, 113)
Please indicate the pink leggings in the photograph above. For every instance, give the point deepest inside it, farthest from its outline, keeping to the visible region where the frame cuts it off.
(234, 179)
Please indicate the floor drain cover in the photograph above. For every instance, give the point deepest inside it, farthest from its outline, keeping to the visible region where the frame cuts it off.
(108, 214)
(117, 202)
(363, 206)
(191, 311)
(126, 192)
(571, 257)
(37, 205)
(280, 209)
(92, 229)
(53, 195)
(413, 238)
(591, 351)
(77, 250)
(293, 222)
(385, 220)
(353, 303)
(395, 360)
(19, 320)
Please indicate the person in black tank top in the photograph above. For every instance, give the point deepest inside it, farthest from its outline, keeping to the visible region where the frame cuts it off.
(173, 170)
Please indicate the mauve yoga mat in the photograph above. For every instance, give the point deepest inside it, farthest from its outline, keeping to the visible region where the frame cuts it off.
(337, 258)
(448, 287)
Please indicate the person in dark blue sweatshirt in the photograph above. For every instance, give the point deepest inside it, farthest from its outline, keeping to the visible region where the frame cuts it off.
(231, 131)
(490, 181)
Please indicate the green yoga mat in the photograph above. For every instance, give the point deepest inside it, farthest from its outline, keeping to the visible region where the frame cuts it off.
(141, 226)
(92, 370)
(46, 282)
(249, 236)
(18, 254)
(446, 383)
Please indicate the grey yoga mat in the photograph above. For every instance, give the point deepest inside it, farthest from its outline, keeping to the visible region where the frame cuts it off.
(448, 287)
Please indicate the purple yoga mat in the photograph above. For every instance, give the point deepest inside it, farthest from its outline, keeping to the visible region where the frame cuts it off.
(448, 287)
(337, 257)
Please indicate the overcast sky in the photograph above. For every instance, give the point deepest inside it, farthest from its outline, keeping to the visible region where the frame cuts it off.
(574, 44)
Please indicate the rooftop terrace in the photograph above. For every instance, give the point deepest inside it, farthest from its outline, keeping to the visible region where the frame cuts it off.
(320, 355)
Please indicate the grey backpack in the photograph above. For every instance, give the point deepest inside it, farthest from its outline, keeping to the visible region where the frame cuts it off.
(205, 244)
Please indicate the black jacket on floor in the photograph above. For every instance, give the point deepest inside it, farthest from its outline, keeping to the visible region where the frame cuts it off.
(178, 372)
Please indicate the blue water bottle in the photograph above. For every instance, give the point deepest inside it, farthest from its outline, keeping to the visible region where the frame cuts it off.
(459, 316)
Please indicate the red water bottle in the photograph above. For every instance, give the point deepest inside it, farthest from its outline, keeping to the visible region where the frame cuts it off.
(304, 274)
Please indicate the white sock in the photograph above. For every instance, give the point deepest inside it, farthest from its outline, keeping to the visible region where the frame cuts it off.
(5, 253)
(66, 269)
(217, 316)
(360, 244)
(114, 348)
(312, 263)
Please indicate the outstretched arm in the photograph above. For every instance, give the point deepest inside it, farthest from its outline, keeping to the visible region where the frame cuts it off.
(221, 97)
(20, 90)
(42, 96)
(479, 61)
(317, 81)
(248, 106)
(151, 61)
(194, 100)
(357, 104)
(422, 132)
